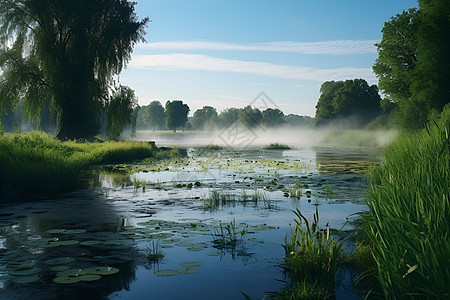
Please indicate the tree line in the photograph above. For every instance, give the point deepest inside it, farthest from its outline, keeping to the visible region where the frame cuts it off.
(175, 116)
(62, 58)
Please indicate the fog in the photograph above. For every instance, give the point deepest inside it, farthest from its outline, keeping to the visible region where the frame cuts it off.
(241, 137)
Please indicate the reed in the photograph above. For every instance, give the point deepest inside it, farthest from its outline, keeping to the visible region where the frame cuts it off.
(408, 223)
(312, 259)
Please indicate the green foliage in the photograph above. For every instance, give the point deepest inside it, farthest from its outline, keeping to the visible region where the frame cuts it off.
(272, 117)
(204, 118)
(119, 111)
(351, 99)
(176, 114)
(37, 163)
(408, 221)
(153, 115)
(65, 52)
(312, 257)
(227, 236)
(249, 116)
(413, 65)
(277, 146)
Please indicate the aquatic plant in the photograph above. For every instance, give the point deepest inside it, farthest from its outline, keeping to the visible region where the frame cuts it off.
(312, 256)
(409, 211)
(227, 235)
(277, 146)
(38, 163)
(154, 254)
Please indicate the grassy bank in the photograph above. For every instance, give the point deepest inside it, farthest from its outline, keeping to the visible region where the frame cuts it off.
(408, 223)
(37, 163)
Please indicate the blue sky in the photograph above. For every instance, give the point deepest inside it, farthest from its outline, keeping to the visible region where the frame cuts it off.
(225, 53)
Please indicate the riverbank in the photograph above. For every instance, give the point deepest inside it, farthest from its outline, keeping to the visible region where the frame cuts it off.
(409, 211)
(37, 163)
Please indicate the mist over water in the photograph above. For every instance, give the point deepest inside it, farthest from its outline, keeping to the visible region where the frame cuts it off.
(245, 138)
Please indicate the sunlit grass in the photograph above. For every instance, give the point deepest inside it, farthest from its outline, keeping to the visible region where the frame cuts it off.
(408, 223)
(37, 163)
(312, 259)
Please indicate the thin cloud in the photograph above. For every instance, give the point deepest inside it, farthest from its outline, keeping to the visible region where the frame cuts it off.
(340, 47)
(181, 61)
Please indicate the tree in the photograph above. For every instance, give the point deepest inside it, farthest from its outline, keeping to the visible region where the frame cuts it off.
(202, 117)
(413, 65)
(350, 99)
(67, 53)
(176, 114)
(249, 116)
(153, 115)
(272, 117)
(228, 116)
(119, 112)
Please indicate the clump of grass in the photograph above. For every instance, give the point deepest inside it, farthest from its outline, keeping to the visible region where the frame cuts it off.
(409, 212)
(277, 146)
(37, 163)
(154, 254)
(210, 148)
(312, 258)
(296, 191)
(228, 235)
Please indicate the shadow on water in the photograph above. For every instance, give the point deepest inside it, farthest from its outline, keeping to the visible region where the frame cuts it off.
(60, 239)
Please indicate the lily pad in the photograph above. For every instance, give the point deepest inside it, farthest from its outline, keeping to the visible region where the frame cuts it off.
(56, 231)
(188, 271)
(101, 270)
(166, 273)
(90, 277)
(68, 243)
(24, 272)
(74, 231)
(67, 279)
(90, 243)
(214, 253)
(190, 264)
(59, 268)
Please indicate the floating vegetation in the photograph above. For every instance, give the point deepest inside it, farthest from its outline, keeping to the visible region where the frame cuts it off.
(166, 273)
(188, 271)
(88, 274)
(191, 264)
(227, 235)
(277, 146)
(153, 252)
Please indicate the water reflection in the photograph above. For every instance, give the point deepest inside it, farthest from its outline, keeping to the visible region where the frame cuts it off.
(38, 241)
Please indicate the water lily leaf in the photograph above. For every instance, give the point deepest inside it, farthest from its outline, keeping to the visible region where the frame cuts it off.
(166, 273)
(188, 271)
(195, 249)
(68, 243)
(24, 272)
(67, 279)
(59, 268)
(90, 243)
(184, 244)
(214, 253)
(90, 277)
(101, 270)
(56, 231)
(74, 231)
(190, 264)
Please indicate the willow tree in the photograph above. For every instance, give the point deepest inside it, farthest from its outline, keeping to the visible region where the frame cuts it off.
(65, 53)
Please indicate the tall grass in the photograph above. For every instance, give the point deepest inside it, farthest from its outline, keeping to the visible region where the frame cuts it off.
(312, 258)
(408, 222)
(37, 163)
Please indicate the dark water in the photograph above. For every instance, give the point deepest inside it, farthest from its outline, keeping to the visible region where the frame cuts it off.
(94, 243)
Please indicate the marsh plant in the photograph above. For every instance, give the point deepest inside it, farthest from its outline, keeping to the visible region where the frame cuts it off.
(154, 254)
(228, 235)
(409, 212)
(216, 198)
(312, 256)
(139, 183)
